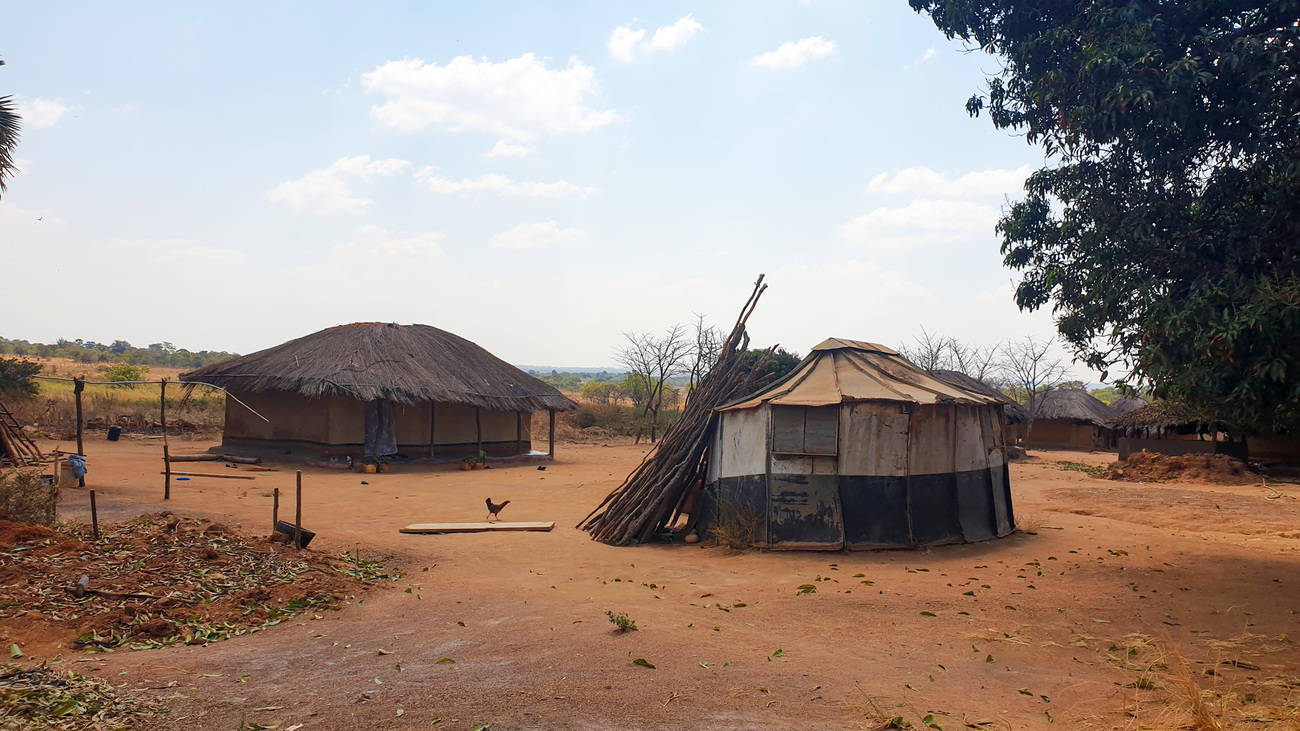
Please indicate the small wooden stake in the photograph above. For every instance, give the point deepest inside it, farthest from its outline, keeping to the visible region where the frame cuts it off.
(167, 471)
(94, 516)
(163, 411)
(275, 511)
(297, 516)
(79, 385)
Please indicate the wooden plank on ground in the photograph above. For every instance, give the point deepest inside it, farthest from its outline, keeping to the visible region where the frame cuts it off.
(474, 527)
(205, 474)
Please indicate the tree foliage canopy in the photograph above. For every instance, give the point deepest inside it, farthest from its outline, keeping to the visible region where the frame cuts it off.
(1165, 231)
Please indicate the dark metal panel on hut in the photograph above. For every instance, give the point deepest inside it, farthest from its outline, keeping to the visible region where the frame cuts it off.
(875, 510)
(804, 512)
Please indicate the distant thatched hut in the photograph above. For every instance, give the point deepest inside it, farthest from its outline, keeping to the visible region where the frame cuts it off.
(378, 389)
(1125, 404)
(1068, 418)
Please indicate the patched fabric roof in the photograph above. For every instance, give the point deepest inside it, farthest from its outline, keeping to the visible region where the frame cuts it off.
(840, 370)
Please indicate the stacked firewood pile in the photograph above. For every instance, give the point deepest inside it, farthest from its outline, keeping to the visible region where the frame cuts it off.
(652, 497)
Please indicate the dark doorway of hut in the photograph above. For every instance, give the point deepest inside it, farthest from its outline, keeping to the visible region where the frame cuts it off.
(381, 429)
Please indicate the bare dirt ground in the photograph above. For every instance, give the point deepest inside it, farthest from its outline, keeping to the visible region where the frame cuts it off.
(1131, 605)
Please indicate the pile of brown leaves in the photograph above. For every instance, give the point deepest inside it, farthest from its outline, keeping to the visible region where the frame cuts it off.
(41, 697)
(1215, 469)
(165, 580)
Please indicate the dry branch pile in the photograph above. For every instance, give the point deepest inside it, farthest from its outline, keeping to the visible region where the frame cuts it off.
(651, 497)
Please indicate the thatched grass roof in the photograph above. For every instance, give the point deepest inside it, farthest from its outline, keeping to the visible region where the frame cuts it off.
(1163, 414)
(1015, 413)
(372, 360)
(1126, 404)
(1073, 403)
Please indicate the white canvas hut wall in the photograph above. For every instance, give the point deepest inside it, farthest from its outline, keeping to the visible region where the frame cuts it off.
(859, 448)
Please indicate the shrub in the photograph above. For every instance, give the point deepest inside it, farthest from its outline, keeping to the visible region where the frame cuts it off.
(122, 372)
(16, 376)
(622, 622)
(24, 498)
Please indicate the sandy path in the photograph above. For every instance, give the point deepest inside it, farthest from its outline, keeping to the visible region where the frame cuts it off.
(535, 649)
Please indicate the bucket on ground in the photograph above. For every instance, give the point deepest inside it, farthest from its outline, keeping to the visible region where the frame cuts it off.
(114, 433)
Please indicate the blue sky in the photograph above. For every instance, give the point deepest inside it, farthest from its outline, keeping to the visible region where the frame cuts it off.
(536, 178)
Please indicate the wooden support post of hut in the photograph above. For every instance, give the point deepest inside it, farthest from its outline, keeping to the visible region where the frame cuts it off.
(478, 430)
(550, 450)
(519, 433)
(79, 385)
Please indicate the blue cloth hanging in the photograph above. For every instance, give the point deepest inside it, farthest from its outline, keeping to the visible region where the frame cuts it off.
(78, 463)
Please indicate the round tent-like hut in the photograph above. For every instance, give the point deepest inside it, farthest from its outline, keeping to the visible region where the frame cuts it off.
(378, 389)
(859, 448)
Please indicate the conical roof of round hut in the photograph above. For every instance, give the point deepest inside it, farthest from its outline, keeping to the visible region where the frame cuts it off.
(1126, 404)
(374, 360)
(1073, 403)
(841, 371)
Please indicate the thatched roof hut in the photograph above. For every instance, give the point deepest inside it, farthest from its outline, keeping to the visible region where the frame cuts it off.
(1068, 418)
(1074, 404)
(388, 388)
(1125, 404)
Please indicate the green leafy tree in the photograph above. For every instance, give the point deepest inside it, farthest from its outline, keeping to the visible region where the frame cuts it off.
(1165, 230)
(18, 376)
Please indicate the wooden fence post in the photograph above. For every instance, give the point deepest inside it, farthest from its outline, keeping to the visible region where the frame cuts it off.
(551, 449)
(167, 474)
(297, 516)
(94, 516)
(79, 385)
(275, 511)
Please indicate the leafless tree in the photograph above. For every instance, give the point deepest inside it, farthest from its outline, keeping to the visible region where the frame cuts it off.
(977, 361)
(931, 352)
(1032, 367)
(705, 352)
(651, 360)
(934, 352)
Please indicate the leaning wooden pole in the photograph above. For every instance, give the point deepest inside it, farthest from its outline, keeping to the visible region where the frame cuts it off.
(651, 493)
(297, 515)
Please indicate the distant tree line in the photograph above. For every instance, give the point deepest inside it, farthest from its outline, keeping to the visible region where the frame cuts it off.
(119, 351)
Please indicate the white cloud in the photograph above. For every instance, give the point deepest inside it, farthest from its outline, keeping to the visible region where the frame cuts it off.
(42, 113)
(373, 241)
(929, 54)
(923, 181)
(624, 42)
(499, 184)
(505, 148)
(23, 166)
(920, 222)
(518, 99)
(533, 235)
(793, 54)
(329, 190)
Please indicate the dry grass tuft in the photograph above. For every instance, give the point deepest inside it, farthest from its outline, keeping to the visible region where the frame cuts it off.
(1031, 523)
(24, 498)
(737, 528)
